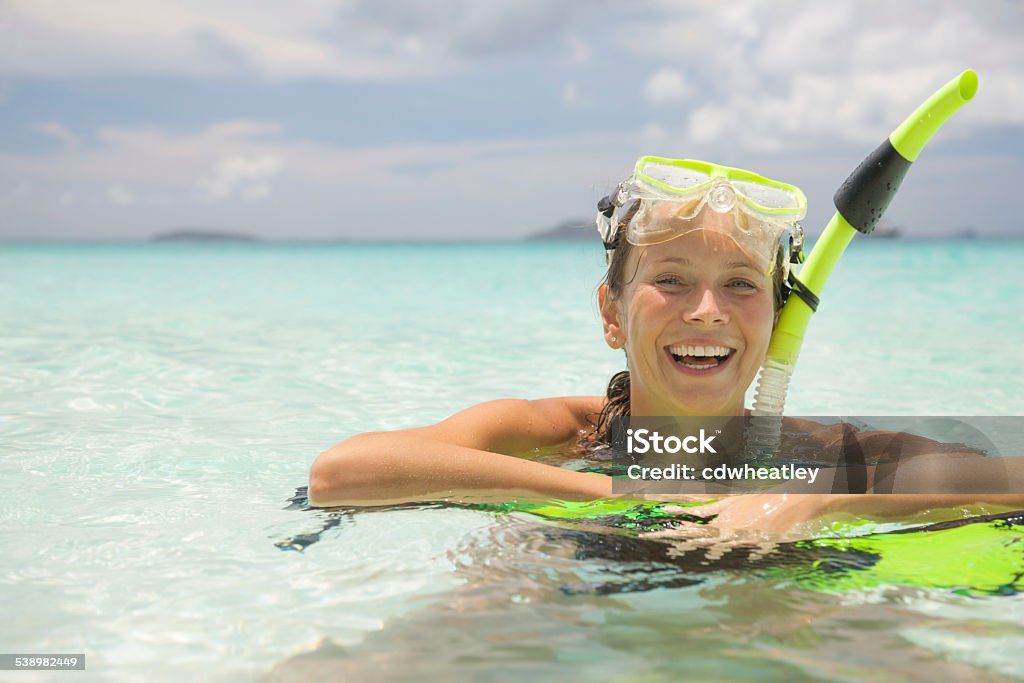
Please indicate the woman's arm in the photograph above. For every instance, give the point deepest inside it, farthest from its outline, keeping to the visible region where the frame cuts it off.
(465, 457)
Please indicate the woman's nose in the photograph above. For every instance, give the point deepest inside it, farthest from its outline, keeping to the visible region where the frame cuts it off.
(707, 310)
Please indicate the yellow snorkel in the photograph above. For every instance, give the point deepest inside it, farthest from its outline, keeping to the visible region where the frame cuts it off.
(860, 203)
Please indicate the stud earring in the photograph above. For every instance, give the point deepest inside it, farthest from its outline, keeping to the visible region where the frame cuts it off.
(614, 339)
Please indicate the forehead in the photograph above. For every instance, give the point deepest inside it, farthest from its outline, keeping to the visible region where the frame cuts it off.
(704, 248)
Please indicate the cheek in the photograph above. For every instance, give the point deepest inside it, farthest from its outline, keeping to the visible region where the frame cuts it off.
(761, 317)
(642, 309)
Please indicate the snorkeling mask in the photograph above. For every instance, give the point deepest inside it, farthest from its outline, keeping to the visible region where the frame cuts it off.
(664, 198)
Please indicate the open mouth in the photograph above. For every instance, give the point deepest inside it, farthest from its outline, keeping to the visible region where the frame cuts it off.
(700, 358)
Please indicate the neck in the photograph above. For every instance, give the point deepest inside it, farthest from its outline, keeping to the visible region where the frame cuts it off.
(640, 405)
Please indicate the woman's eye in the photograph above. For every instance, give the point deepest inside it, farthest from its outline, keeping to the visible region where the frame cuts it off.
(668, 280)
(743, 284)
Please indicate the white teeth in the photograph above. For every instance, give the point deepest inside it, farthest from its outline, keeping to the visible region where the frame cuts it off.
(687, 350)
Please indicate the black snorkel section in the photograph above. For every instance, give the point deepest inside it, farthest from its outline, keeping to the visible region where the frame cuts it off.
(865, 195)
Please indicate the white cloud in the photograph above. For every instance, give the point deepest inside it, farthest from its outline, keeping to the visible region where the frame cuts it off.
(120, 195)
(57, 131)
(577, 51)
(334, 39)
(248, 177)
(665, 86)
(570, 94)
(791, 74)
(48, 37)
(308, 189)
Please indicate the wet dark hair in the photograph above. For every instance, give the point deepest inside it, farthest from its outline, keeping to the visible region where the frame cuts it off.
(616, 279)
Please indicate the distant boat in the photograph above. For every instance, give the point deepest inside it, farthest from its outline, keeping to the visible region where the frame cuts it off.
(194, 235)
(886, 232)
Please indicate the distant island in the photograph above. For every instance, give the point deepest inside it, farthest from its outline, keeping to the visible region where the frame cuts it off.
(197, 235)
(566, 231)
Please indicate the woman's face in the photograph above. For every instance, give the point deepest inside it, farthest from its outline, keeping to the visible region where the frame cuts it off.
(695, 320)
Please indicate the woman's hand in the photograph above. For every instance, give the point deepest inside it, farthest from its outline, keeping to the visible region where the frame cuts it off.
(782, 516)
(760, 520)
(790, 517)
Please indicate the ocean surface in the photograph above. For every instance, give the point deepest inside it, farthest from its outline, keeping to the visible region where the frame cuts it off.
(160, 404)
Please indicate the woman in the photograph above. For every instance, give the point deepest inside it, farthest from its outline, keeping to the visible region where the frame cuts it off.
(698, 265)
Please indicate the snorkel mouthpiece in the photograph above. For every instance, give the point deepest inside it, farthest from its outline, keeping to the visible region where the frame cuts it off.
(860, 203)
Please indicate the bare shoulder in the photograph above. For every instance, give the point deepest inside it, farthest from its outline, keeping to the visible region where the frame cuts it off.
(873, 445)
(517, 425)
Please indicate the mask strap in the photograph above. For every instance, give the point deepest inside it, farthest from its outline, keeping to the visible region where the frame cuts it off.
(605, 211)
(801, 290)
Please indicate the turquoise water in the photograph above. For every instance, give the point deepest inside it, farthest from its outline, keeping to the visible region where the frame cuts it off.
(159, 404)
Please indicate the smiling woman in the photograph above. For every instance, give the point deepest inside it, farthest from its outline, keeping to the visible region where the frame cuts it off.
(698, 269)
(696, 327)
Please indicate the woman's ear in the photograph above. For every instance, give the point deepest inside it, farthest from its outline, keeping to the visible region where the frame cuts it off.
(611, 318)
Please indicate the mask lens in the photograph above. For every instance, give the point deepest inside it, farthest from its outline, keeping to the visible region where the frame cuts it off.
(768, 197)
(660, 221)
(668, 180)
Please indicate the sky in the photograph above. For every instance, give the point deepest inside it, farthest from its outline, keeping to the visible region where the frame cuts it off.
(463, 119)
